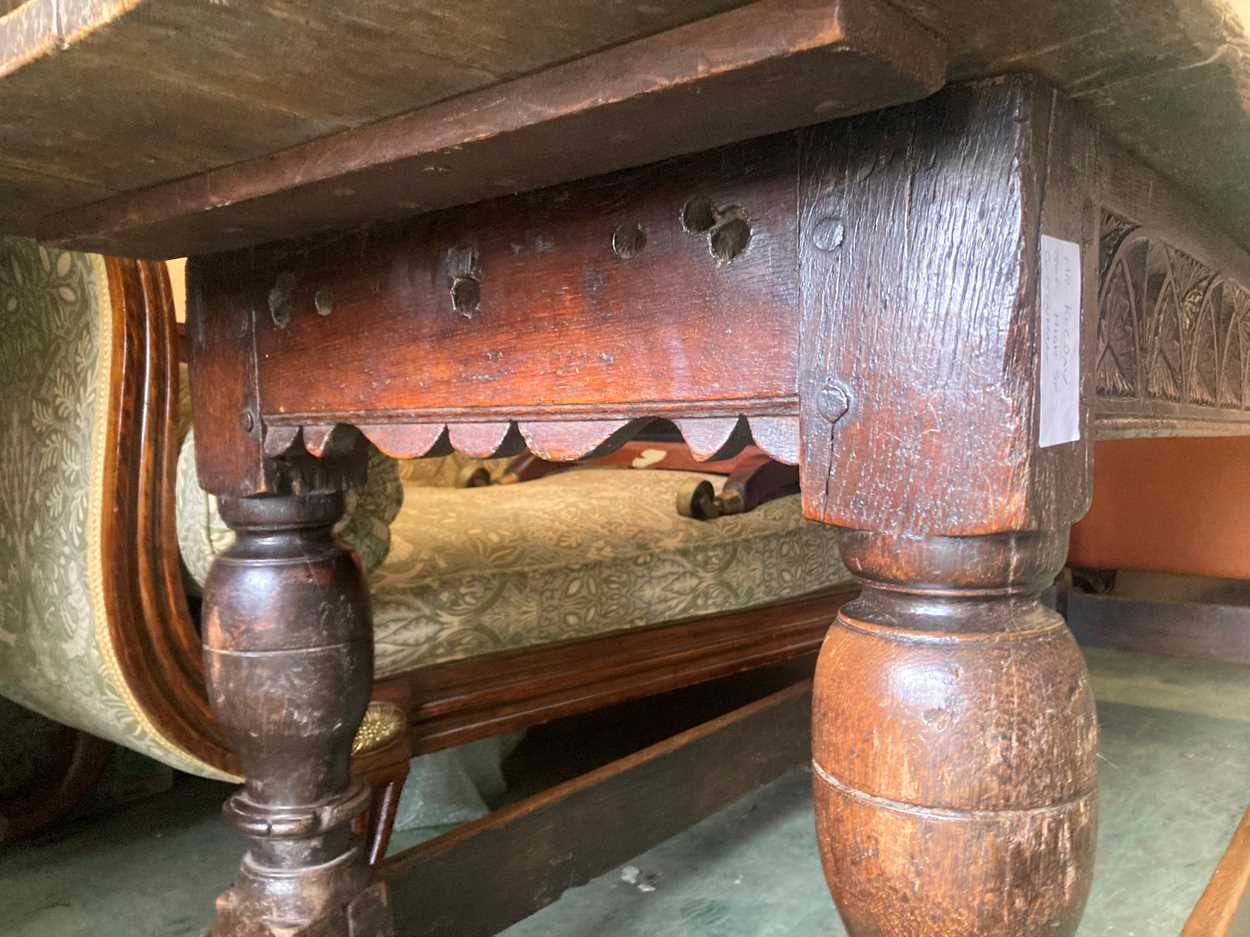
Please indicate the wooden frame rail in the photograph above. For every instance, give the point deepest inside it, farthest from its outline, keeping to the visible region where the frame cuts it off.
(1224, 908)
(481, 877)
(460, 701)
(1134, 617)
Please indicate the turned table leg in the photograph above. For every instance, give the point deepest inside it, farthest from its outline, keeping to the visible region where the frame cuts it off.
(948, 273)
(953, 742)
(289, 656)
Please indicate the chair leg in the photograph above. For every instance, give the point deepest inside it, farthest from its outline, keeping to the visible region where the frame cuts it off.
(289, 656)
(953, 742)
(385, 770)
(382, 810)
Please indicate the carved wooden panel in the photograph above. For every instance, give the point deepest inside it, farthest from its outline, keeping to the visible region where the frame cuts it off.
(1173, 338)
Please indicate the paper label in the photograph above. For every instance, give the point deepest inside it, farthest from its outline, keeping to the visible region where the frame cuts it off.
(1060, 420)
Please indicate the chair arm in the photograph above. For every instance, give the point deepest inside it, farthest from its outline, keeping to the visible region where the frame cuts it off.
(754, 480)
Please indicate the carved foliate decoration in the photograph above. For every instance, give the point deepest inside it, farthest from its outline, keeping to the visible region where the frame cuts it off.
(383, 723)
(1170, 328)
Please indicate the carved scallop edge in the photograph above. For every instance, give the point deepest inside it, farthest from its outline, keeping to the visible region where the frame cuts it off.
(709, 439)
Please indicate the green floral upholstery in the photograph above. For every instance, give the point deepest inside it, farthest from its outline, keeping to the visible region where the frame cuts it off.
(445, 471)
(584, 552)
(580, 553)
(56, 654)
(463, 571)
(202, 534)
(365, 524)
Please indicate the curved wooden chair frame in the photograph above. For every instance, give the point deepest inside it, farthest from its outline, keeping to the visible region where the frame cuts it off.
(156, 638)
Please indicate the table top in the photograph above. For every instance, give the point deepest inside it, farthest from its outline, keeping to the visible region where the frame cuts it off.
(167, 127)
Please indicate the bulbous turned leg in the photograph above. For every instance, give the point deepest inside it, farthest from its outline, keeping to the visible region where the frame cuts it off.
(289, 655)
(954, 740)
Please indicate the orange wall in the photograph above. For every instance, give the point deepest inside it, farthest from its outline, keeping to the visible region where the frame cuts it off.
(1169, 505)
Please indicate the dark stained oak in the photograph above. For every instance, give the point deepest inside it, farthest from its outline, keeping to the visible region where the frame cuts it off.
(953, 733)
(158, 642)
(288, 650)
(772, 65)
(221, 83)
(919, 281)
(242, 140)
(460, 701)
(862, 297)
(876, 281)
(288, 656)
(544, 264)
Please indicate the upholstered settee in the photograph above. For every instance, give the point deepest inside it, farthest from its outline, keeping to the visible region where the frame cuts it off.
(501, 589)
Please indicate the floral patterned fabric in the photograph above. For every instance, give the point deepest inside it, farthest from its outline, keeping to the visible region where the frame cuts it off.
(445, 471)
(580, 553)
(367, 514)
(202, 534)
(56, 655)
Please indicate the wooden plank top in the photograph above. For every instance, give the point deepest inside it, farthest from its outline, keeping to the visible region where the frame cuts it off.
(166, 127)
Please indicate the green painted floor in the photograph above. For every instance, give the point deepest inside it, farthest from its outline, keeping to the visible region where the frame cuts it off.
(1175, 779)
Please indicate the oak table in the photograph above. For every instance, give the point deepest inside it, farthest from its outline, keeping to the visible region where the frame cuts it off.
(927, 251)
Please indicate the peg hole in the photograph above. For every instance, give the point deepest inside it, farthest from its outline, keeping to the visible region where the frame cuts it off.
(729, 240)
(698, 215)
(280, 300)
(628, 240)
(466, 295)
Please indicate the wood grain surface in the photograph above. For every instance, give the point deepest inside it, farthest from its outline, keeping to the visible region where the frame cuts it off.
(879, 278)
(555, 307)
(953, 742)
(213, 91)
(206, 85)
(919, 283)
(563, 319)
(522, 309)
(459, 701)
(288, 658)
(1224, 908)
(767, 67)
(151, 628)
